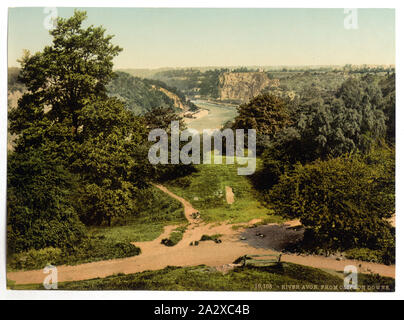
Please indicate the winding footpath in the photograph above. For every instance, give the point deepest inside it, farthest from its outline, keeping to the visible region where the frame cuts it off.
(156, 256)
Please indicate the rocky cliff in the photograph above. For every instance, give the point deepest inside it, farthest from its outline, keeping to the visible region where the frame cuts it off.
(242, 86)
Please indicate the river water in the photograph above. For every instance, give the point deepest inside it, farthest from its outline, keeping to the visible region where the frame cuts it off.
(218, 115)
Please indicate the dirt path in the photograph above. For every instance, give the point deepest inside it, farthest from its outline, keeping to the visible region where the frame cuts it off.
(157, 256)
(229, 195)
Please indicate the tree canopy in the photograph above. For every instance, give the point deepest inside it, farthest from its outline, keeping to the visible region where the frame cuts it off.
(67, 114)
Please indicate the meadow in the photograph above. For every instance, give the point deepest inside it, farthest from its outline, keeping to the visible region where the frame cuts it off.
(205, 190)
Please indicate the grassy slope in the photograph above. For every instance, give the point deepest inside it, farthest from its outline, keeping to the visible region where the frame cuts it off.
(162, 211)
(287, 277)
(104, 242)
(205, 189)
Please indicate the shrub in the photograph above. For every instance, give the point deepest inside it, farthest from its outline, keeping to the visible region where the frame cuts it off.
(364, 254)
(89, 250)
(32, 258)
(175, 236)
(343, 203)
(40, 211)
(214, 237)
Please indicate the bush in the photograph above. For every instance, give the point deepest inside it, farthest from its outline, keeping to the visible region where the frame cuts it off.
(97, 248)
(343, 203)
(40, 211)
(89, 250)
(32, 259)
(214, 237)
(175, 236)
(364, 254)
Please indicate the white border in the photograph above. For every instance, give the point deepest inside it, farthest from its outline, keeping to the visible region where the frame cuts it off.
(177, 295)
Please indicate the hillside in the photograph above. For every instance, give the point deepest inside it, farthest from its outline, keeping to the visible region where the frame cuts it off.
(142, 95)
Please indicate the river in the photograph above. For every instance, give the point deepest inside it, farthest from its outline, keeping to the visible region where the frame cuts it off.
(215, 118)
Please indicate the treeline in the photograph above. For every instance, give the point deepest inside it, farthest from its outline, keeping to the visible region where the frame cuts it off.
(329, 160)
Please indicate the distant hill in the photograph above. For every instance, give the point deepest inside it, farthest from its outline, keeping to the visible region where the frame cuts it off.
(142, 95)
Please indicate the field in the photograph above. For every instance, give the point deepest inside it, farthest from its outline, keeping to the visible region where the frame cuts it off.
(162, 211)
(205, 190)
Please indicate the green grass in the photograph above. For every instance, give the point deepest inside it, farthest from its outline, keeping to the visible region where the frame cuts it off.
(205, 189)
(283, 277)
(162, 211)
(175, 236)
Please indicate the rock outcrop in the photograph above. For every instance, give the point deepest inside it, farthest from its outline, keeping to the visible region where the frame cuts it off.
(242, 86)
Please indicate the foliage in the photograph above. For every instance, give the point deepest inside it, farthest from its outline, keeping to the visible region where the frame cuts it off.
(266, 113)
(193, 81)
(111, 160)
(33, 258)
(144, 95)
(388, 87)
(343, 202)
(89, 250)
(12, 80)
(66, 112)
(156, 210)
(175, 236)
(214, 237)
(209, 86)
(365, 254)
(39, 203)
(351, 120)
(161, 118)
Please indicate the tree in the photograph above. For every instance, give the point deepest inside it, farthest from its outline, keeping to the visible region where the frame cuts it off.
(67, 113)
(352, 120)
(388, 87)
(77, 66)
(39, 203)
(161, 118)
(343, 202)
(267, 114)
(111, 160)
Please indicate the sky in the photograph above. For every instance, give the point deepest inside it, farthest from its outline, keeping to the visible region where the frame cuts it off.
(171, 37)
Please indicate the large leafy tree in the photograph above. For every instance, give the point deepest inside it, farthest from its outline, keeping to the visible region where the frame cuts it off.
(66, 111)
(267, 114)
(343, 202)
(76, 67)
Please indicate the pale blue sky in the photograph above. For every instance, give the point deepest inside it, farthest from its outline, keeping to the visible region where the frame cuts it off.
(154, 38)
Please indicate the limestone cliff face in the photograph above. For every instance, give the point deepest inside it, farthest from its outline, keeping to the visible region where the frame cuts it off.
(242, 86)
(176, 100)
